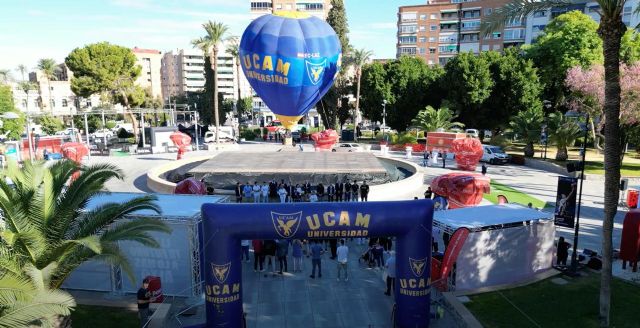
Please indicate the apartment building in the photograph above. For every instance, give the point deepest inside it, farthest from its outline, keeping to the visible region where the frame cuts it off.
(183, 71)
(318, 8)
(151, 61)
(440, 29)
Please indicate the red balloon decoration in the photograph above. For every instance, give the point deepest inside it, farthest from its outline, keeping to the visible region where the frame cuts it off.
(325, 140)
(182, 141)
(191, 186)
(468, 153)
(74, 151)
(461, 189)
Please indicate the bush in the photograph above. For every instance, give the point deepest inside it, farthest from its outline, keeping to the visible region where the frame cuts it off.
(500, 141)
(124, 134)
(110, 124)
(248, 135)
(406, 138)
(257, 132)
(50, 125)
(421, 134)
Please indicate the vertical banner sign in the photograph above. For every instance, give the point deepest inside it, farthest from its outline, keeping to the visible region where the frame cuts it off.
(565, 213)
(225, 225)
(453, 250)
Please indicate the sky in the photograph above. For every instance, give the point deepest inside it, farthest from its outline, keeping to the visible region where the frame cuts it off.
(34, 29)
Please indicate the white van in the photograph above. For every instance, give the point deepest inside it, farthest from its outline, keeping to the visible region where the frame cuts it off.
(494, 155)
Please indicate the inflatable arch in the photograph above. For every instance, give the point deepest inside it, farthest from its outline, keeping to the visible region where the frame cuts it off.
(225, 225)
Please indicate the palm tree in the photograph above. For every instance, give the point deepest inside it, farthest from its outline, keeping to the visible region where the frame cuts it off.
(215, 34)
(359, 57)
(611, 30)
(527, 125)
(564, 133)
(49, 230)
(234, 51)
(431, 119)
(4, 75)
(22, 69)
(49, 69)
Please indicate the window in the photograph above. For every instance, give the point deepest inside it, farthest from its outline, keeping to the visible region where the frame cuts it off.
(443, 61)
(496, 47)
(540, 13)
(514, 34)
(497, 35)
(407, 51)
(432, 16)
(594, 9)
(448, 39)
(408, 29)
(537, 28)
(469, 38)
(514, 22)
(432, 39)
(452, 49)
(24, 103)
(411, 39)
(434, 27)
(53, 103)
(408, 17)
(279, 6)
(423, 17)
(423, 28)
(260, 5)
(89, 103)
(471, 14)
(423, 39)
(432, 50)
(485, 47)
(65, 103)
(488, 11)
(422, 51)
(471, 25)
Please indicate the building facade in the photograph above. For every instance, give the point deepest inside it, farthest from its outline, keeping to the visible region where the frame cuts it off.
(318, 8)
(150, 60)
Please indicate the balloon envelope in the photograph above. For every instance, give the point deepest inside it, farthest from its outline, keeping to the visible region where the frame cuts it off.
(190, 186)
(74, 151)
(461, 189)
(290, 59)
(468, 153)
(325, 140)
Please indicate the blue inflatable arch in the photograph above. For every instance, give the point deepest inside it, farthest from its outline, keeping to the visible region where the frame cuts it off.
(225, 225)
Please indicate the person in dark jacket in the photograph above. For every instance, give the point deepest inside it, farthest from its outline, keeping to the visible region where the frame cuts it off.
(320, 192)
(339, 191)
(333, 244)
(428, 194)
(239, 188)
(364, 191)
(331, 192)
(562, 252)
(347, 191)
(355, 191)
(270, 253)
(282, 250)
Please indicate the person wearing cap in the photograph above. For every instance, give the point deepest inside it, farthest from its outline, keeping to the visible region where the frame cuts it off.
(144, 298)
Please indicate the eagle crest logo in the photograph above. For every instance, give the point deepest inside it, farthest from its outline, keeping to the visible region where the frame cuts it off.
(315, 71)
(286, 225)
(418, 266)
(221, 272)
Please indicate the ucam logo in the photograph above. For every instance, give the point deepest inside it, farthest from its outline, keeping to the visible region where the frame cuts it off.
(315, 71)
(221, 272)
(222, 292)
(418, 286)
(418, 266)
(286, 225)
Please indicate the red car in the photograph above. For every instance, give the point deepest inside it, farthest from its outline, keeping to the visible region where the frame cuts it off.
(274, 126)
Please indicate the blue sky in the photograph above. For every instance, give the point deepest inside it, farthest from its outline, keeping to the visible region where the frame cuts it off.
(33, 29)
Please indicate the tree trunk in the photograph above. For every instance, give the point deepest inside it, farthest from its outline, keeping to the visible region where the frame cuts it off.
(214, 66)
(528, 149)
(238, 74)
(356, 120)
(611, 30)
(62, 322)
(127, 113)
(562, 154)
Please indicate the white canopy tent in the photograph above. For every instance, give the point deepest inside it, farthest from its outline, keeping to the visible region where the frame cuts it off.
(508, 243)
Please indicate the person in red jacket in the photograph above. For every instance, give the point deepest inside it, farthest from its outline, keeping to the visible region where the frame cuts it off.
(258, 255)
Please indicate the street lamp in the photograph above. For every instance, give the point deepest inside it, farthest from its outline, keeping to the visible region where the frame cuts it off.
(384, 116)
(545, 127)
(574, 255)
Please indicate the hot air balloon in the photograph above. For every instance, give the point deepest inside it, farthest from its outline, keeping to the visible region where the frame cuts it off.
(182, 141)
(468, 153)
(290, 59)
(461, 189)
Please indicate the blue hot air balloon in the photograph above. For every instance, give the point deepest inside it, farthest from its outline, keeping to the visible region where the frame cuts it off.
(290, 60)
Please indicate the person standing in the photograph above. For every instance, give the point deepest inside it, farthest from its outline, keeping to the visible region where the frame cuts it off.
(244, 244)
(484, 169)
(378, 252)
(444, 159)
(306, 187)
(238, 192)
(316, 255)
(296, 253)
(282, 193)
(343, 255)
(355, 189)
(364, 191)
(265, 192)
(313, 197)
(562, 252)
(390, 266)
(331, 192)
(333, 246)
(282, 250)
(270, 254)
(428, 194)
(320, 191)
(339, 191)
(256, 192)
(258, 255)
(347, 191)
(144, 298)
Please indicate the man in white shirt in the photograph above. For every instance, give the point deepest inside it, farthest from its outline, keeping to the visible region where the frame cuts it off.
(283, 194)
(256, 192)
(313, 198)
(265, 192)
(391, 272)
(343, 254)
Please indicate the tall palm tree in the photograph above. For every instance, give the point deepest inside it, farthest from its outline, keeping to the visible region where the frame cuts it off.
(209, 44)
(611, 30)
(527, 125)
(49, 228)
(431, 119)
(4, 75)
(359, 57)
(564, 133)
(233, 49)
(22, 69)
(49, 69)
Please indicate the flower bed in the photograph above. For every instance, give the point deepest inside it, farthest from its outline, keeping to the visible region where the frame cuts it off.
(418, 148)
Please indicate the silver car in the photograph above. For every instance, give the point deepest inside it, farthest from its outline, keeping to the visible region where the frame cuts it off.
(346, 147)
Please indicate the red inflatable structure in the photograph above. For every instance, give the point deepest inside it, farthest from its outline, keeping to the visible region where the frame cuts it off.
(190, 186)
(325, 140)
(461, 189)
(74, 151)
(182, 141)
(468, 153)
(630, 241)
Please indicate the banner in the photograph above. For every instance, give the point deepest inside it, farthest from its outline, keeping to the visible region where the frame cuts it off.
(565, 213)
(453, 250)
(225, 225)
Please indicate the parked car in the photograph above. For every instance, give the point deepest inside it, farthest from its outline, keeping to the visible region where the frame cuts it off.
(494, 155)
(472, 133)
(100, 134)
(67, 131)
(346, 148)
(210, 136)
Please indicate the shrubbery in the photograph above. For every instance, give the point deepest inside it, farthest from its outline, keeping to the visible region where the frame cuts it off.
(248, 135)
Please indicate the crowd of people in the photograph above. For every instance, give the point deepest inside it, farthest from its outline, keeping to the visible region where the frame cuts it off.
(378, 255)
(283, 192)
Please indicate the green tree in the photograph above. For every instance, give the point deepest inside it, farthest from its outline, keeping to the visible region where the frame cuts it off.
(328, 105)
(431, 119)
(469, 83)
(13, 128)
(49, 230)
(563, 133)
(50, 125)
(344, 112)
(375, 88)
(245, 106)
(358, 58)
(48, 68)
(527, 125)
(209, 44)
(105, 68)
(569, 40)
(630, 47)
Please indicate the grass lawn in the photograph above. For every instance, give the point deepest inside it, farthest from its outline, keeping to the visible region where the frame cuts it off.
(545, 304)
(104, 317)
(514, 196)
(627, 170)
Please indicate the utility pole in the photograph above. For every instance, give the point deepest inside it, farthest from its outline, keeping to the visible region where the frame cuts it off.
(574, 255)
(384, 119)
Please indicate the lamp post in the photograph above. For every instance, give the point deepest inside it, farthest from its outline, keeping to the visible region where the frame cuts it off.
(574, 255)
(545, 132)
(384, 116)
